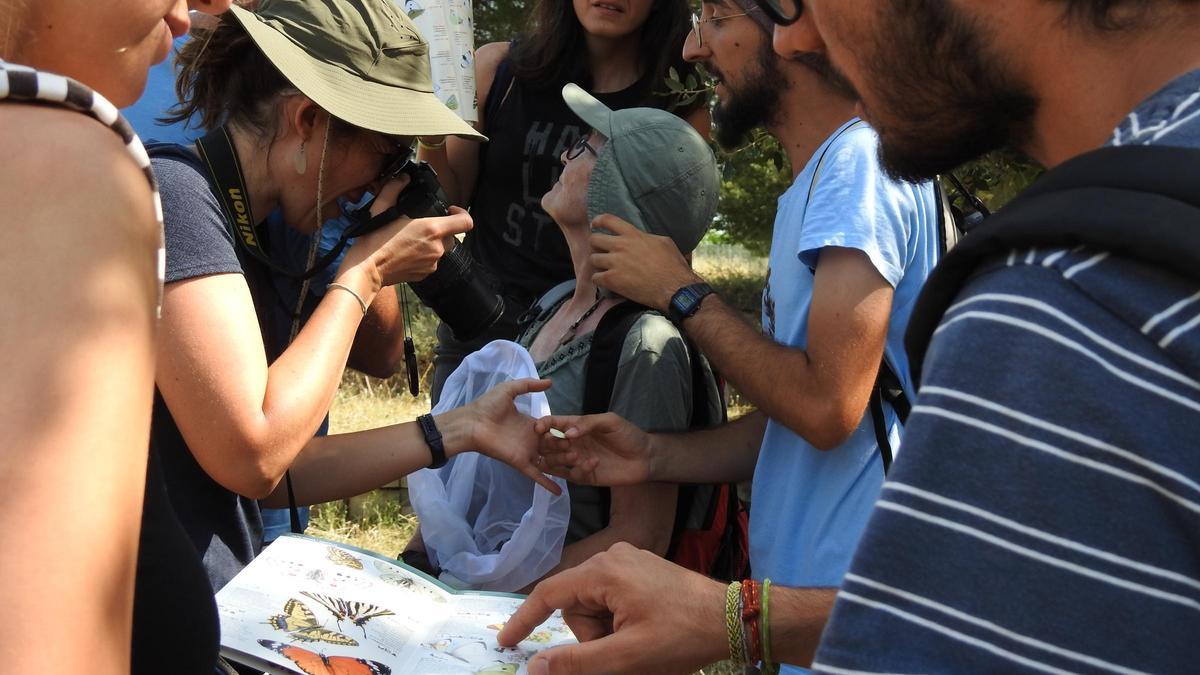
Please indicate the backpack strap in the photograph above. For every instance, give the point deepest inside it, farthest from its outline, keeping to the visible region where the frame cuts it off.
(600, 374)
(541, 309)
(1137, 202)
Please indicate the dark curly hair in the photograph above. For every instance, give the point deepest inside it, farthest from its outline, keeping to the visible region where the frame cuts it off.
(554, 51)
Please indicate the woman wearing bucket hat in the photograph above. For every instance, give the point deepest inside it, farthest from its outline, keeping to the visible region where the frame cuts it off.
(82, 240)
(651, 168)
(305, 101)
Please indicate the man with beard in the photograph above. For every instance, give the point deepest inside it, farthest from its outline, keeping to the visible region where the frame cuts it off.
(850, 250)
(1045, 513)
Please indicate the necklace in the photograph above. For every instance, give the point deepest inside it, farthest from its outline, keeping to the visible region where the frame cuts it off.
(569, 334)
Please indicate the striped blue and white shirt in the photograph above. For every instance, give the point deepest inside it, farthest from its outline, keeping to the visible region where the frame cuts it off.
(1044, 514)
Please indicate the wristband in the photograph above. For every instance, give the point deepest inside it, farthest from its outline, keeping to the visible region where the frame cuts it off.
(733, 622)
(767, 665)
(433, 438)
(751, 611)
(361, 303)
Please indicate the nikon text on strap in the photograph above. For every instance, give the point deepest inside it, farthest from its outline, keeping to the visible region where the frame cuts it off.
(225, 177)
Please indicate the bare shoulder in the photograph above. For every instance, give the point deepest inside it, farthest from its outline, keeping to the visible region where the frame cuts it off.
(489, 56)
(69, 165)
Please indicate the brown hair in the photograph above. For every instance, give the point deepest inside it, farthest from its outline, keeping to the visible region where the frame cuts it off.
(222, 77)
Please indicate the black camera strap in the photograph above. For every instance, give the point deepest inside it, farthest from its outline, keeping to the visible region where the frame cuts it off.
(225, 172)
(228, 184)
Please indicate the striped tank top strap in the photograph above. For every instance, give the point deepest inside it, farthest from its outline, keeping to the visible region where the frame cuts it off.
(20, 83)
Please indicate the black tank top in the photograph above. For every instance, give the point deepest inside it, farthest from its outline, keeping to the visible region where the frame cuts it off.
(518, 243)
(175, 626)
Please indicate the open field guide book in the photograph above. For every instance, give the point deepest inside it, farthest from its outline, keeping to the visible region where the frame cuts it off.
(310, 606)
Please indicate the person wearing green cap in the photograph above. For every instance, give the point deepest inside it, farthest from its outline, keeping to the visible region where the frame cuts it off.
(305, 102)
(654, 170)
(622, 51)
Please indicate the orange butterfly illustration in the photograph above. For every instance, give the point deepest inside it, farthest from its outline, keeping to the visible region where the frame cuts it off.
(313, 663)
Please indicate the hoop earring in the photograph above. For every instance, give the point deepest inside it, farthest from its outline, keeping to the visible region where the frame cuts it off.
(300, 160)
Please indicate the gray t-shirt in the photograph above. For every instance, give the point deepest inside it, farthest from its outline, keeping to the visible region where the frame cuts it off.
(653, 390)
(225, 527)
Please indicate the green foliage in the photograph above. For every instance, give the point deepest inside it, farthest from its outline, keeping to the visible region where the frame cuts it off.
(998, 176)
(499, 20)
(697, 85)
(752, 179)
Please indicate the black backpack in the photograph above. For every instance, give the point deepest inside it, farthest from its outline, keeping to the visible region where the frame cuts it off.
(1137, 202)
(711, 530)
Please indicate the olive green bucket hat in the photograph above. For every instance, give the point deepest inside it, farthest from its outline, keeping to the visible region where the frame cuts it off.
(362, 61)
(654, 170)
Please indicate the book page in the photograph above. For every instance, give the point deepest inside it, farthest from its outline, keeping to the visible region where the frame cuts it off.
(305, 600)
(449, 28)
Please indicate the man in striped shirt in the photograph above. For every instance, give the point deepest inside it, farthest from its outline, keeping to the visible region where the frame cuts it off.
(1044, 513)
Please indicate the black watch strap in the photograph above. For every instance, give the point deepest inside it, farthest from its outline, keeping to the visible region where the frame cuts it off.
(686, 301)
(433, 438)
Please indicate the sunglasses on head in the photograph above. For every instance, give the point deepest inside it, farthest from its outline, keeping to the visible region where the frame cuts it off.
(782, 12)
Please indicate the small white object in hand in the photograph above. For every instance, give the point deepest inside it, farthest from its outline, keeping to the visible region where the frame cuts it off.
(557, 434)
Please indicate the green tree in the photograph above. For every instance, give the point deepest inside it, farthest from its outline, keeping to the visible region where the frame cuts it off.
(499, 20)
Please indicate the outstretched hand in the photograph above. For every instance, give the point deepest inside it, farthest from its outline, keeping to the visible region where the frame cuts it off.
(501, 432)
(645, 268)
(632, 611)
(596, 450)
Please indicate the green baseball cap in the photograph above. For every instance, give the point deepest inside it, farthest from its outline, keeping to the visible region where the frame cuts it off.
(362, 61)
(654, 170)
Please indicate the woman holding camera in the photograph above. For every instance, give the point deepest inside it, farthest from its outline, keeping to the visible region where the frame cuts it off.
(82, 240)
(306, 102)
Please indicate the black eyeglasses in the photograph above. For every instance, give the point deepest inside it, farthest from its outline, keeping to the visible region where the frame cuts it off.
(394, 162)
(581, 145)
(782, 12)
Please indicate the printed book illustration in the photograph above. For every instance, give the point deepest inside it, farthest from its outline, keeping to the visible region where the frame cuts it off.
(310, 606)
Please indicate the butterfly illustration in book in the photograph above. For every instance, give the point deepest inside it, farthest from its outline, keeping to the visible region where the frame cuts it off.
(358, 613)
(341, 557)
(299, 622)
(313, 663)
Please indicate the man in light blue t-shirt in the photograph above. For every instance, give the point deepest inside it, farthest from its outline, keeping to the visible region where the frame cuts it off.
(850, 250)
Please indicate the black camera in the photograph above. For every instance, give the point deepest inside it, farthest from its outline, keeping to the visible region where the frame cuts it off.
(454, 291)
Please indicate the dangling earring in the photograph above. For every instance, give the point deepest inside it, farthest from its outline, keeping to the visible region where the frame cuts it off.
(300, 160)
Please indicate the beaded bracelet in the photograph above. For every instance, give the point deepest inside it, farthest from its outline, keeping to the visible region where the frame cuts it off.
(733, 622)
